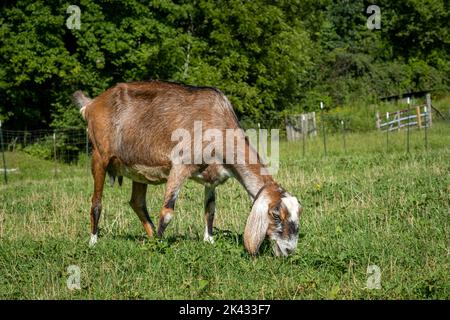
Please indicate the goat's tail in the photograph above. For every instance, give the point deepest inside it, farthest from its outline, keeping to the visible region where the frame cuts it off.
(82, 101)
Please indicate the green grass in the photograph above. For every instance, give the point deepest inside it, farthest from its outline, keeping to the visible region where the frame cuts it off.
(363, 207)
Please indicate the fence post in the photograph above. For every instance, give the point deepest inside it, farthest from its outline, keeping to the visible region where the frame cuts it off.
(343, 135)
(54, 151)
(314, 124)
(378, 121)
(387, 132)
(3, 154)
(304, 128)
(419, 117)
(286, 123)
(323, 129)
(428, 96)
(407, 131)
(426, 127)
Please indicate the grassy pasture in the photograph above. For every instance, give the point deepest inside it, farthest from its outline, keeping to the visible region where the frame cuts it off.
(361, 207)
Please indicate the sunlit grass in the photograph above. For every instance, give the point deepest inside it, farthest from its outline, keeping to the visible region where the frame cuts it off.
(362, 206)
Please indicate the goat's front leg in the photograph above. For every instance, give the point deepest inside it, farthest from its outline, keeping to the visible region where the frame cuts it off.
(98, 172)
(139, 206)
(210, 209)
(176, 178)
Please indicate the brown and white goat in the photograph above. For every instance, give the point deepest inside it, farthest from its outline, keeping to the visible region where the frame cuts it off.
(131, 125)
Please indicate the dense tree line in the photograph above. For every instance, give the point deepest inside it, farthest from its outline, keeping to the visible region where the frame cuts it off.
(269, 57)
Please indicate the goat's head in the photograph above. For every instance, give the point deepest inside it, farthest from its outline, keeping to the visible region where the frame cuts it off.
(275, 214)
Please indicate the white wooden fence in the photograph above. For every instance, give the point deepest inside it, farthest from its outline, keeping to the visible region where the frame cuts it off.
(417, 116)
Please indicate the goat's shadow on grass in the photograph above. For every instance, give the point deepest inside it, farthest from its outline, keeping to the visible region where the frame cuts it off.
(219, 235)
(229, 237)
(130, 237)
(142, 238)
(238, 238)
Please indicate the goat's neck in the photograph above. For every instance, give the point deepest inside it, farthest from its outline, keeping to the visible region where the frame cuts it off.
(252, 177)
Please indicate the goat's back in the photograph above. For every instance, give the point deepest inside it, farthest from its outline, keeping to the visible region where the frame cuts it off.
(135, 121)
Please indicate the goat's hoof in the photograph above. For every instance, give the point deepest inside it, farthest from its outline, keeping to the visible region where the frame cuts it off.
(93, 240)
(208, 238)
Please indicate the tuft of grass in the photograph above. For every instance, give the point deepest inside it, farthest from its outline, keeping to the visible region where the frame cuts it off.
(363, 206)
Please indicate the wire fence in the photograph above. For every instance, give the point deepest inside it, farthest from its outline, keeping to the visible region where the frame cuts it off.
(59, 145)
(62, 145)
(72, 146)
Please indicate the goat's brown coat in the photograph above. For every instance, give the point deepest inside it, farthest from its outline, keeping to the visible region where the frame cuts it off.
(130, 127)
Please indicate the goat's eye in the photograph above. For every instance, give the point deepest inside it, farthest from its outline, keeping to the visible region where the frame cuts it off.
(276, 218)
(275, 214)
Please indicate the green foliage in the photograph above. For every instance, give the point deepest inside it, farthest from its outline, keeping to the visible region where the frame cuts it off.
(42, 150)
(270, 57)
(45, 148)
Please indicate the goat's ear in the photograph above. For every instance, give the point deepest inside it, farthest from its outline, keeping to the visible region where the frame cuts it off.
(257, 224)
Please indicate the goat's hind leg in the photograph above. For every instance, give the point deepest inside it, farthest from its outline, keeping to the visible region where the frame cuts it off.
(139, 206)
(210, 209)
(98, 172)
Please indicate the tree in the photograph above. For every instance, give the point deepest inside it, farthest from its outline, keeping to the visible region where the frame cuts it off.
(269, 57)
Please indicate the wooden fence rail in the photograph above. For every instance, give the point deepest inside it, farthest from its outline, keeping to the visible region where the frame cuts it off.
(419, 116)
(300, 126)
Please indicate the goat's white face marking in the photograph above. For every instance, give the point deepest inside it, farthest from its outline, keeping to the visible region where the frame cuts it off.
(293, 207)
(285, 234)
(93, 240)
